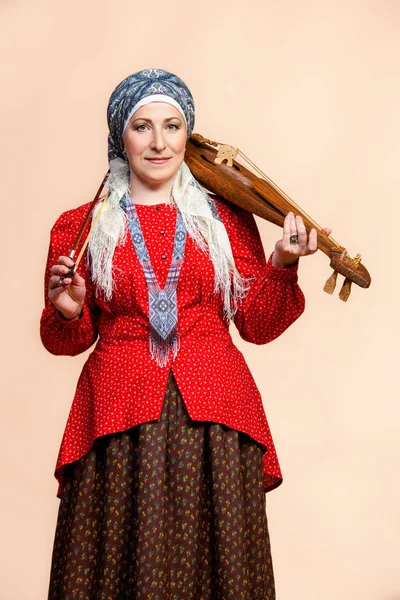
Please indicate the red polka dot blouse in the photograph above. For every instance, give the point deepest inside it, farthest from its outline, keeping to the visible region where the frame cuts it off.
(121, 385)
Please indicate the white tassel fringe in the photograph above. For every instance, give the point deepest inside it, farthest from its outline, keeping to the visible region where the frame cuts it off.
(195, 206)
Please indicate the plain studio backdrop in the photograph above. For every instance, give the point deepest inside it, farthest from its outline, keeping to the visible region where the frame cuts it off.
(310, 91)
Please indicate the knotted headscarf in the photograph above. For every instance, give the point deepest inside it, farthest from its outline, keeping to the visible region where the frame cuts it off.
(198, 210)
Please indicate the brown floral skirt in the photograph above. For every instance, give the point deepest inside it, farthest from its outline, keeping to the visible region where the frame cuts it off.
(168, 510)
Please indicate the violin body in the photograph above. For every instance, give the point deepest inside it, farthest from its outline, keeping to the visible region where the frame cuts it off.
(237, 184)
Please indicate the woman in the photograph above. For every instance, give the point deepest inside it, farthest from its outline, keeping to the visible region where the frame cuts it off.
(167, 454)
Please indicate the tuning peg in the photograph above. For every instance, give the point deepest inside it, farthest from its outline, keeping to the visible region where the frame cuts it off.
(330, 284)
(346, 289)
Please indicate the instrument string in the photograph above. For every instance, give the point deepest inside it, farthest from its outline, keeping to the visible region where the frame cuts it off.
(284, 195)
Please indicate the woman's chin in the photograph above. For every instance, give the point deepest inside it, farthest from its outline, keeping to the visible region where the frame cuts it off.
(160, 176)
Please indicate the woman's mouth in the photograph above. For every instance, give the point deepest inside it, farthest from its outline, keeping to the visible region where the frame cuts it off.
(158, 161)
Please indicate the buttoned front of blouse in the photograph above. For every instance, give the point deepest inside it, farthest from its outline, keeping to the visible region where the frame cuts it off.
(121, 385)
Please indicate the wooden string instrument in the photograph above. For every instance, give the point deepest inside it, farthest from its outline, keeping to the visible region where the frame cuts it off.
(215, 167)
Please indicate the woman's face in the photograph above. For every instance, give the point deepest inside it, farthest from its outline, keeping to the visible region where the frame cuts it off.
(155, 142)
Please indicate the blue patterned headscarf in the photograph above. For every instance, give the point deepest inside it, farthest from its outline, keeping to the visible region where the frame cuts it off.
(136, 90)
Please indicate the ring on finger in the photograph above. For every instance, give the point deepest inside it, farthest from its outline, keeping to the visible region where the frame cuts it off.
(294, 239)
(61, 281)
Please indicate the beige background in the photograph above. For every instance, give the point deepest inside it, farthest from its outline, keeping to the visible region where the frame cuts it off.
(310, 91)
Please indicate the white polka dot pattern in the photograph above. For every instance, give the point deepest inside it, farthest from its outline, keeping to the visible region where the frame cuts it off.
(120, 385)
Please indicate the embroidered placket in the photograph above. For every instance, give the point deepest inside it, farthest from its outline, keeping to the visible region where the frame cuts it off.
(163, 304)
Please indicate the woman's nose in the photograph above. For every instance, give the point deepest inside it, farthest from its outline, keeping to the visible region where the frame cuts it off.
(158, 141)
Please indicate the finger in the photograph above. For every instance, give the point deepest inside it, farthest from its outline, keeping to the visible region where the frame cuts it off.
(327, 230)
(55, 293)
(293, 226)
(301, 231)
(59, 270)
(60, 276)
(65, 260)
(312, 241)
(286, 230)
(76, 278)
(292, 230)
(71, 269)
(56, 281)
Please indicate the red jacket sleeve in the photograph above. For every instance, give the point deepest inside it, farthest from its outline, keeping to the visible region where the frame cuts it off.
(274, 299)
(58, 335)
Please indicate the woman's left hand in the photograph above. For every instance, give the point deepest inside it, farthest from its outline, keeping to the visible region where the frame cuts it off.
(287, 253)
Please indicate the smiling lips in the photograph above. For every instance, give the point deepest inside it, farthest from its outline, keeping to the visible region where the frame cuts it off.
(158, 161)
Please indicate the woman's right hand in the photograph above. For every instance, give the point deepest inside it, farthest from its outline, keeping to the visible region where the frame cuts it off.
(69, 296)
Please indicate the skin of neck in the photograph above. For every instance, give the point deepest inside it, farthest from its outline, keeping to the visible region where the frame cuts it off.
(145, 192)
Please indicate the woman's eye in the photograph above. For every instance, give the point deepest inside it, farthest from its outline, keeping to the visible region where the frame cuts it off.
(141, 127)
(173, 126)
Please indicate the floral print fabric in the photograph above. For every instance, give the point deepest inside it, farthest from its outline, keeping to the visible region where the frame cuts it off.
(167, 510)
(121, 386)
